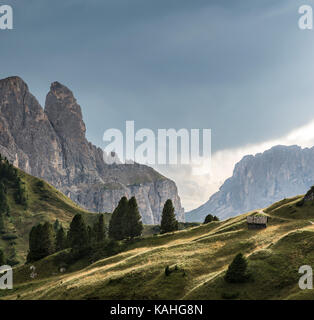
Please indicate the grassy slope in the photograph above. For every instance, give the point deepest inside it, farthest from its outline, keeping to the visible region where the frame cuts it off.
(45, 203)
(202, 255)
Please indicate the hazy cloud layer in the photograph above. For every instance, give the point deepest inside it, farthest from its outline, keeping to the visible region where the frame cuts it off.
(195, 189)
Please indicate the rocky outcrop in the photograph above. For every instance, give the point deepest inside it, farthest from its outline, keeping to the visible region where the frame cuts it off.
(309, 196)
(260, 180)
(51, 144)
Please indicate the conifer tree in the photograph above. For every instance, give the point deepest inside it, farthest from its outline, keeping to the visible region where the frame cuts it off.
(133, 220)
(56, 226)
(100, 229)
(168, 219)
(41, 242)
(4, 207)
(237, 270)
(60, 239)
(77, 235)
(90, 235)
(34, 244)
(2, 225)
(20, 194)
(117, 224)
(48, 239)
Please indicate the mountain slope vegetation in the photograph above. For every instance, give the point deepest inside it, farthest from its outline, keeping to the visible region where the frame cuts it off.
(197, 259)
(43, 203)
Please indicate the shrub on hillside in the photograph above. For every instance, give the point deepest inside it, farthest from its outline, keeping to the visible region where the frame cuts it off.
(167, 271)
(230, 295)
(210, 218)
(8, 237)
(300, 203)
(40, 184)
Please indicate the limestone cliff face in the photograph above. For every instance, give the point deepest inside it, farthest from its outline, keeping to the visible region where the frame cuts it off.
(260, 180)
(51, 144)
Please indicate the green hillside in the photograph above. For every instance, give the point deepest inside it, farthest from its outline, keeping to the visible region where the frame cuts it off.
(198, 258)
(44, 203)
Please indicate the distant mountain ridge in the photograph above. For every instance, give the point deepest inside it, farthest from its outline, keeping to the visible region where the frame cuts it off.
(258, 181)
(50, 143)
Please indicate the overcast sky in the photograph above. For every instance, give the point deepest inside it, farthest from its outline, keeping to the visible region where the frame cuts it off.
(242, 68)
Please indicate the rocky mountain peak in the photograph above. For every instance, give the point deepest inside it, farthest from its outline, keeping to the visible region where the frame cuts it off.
(15, 83)
(62, 93)
(18, 105)
(51, 144)
(64, 112)
(309, 195)
(13, 88)
(260, 180)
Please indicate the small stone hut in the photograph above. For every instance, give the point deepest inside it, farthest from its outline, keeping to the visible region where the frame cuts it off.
(257, 222)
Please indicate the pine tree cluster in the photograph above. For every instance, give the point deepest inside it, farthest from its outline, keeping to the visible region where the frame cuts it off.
(125, 222)
(41, 242)
(46, 239)
(85, 240)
